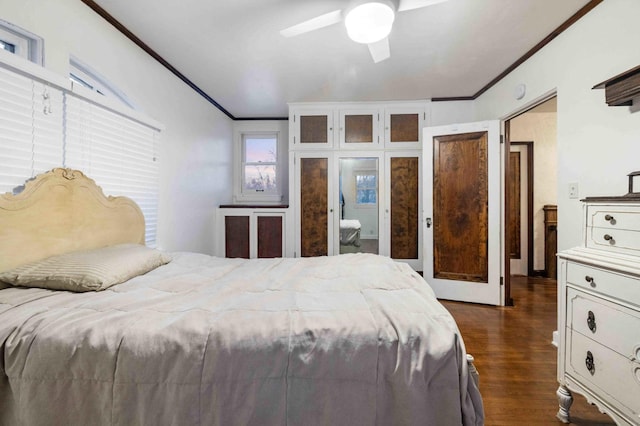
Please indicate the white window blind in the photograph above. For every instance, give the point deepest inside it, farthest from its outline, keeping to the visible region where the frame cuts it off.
(115, 151)
(31, 123)
(43, 126)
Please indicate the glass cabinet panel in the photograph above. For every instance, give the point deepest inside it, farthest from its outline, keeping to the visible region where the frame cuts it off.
(314, 129)
(404, 128)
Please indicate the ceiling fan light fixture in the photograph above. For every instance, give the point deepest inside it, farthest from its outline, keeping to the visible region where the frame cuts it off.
(369, 22)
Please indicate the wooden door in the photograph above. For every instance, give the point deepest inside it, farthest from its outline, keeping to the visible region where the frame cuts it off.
(462, 170)
(403, 206)
(520, 199)
(405, 216)
(314, 204)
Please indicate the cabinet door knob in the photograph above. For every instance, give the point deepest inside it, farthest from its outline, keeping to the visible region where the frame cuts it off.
(591, 321)
(609, 238)
(609, 218)
(589, 363)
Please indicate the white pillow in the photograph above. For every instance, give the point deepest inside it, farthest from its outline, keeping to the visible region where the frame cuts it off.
(87, 270)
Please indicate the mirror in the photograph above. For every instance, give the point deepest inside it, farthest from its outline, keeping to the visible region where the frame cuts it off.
(358, 200)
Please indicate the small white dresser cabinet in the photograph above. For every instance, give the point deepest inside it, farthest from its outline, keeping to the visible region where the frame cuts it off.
(599, 311)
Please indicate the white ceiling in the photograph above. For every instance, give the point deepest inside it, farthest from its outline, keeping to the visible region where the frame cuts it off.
(233, 51)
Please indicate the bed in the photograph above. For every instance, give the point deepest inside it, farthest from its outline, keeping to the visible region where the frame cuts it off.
(353, 339)
(350, 232)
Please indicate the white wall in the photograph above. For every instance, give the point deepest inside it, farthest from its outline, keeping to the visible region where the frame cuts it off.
(195, 145)
(451, 112)
(597, 144)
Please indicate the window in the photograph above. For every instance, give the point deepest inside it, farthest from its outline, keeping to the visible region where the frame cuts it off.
(260, 165)
(8, 46)
(366, 188)
(260, 170)
(80, 73)
(21, 42)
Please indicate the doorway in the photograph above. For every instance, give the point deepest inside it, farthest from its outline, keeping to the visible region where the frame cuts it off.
(538, 127)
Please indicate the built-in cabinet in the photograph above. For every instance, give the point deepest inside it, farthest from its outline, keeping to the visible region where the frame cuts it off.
(336, 151)
(599, 312)
(252, 231)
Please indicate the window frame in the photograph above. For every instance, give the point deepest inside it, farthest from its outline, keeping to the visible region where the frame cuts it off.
(27, 44)
(366, 172)
(246, 130)
(85, 76)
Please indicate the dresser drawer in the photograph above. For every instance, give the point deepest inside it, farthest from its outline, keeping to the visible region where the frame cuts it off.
(607, 323)
(617, 285)
(612, 376)
(613, 217)
(617, 240)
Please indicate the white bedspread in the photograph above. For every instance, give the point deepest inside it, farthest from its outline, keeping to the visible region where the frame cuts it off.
(354, 339)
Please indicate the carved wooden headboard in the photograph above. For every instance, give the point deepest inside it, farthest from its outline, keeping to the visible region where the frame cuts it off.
(61, 211)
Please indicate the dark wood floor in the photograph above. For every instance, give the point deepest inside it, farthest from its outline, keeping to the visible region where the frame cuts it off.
(516, 360)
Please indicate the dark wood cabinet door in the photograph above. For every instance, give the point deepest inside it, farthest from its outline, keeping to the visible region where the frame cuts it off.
(313, 129)
(236, 231)
(269, 236)
(404, 176)
(404, 128)
(314, 206)
(358, 128)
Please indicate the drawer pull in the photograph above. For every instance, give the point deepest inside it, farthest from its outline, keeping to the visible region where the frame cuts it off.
(610, 218)
(590, 280)
(591, 321)
(609, 238)
(589, 363)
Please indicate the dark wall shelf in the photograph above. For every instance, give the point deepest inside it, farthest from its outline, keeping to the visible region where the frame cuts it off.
(621, 89)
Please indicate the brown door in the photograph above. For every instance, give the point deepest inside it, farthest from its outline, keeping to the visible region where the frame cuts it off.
(462, 211)
(460, 207)
(405, 216)
(314, 206)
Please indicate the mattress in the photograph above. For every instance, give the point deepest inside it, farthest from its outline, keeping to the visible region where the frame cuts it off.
(354, 339)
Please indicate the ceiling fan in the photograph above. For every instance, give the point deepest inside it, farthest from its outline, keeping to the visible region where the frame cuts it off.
(367, 21)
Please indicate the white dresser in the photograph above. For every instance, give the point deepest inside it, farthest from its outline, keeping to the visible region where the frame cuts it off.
(599, 311)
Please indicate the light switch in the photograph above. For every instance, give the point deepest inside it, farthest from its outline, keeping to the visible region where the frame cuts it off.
(573, 190)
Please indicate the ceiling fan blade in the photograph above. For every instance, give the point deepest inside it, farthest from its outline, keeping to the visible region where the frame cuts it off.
(313, 24)
(380, 50)
(416, 4)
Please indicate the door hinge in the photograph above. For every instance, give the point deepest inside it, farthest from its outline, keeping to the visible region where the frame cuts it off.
(501, 138)
(501, 280)
(294, 118)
